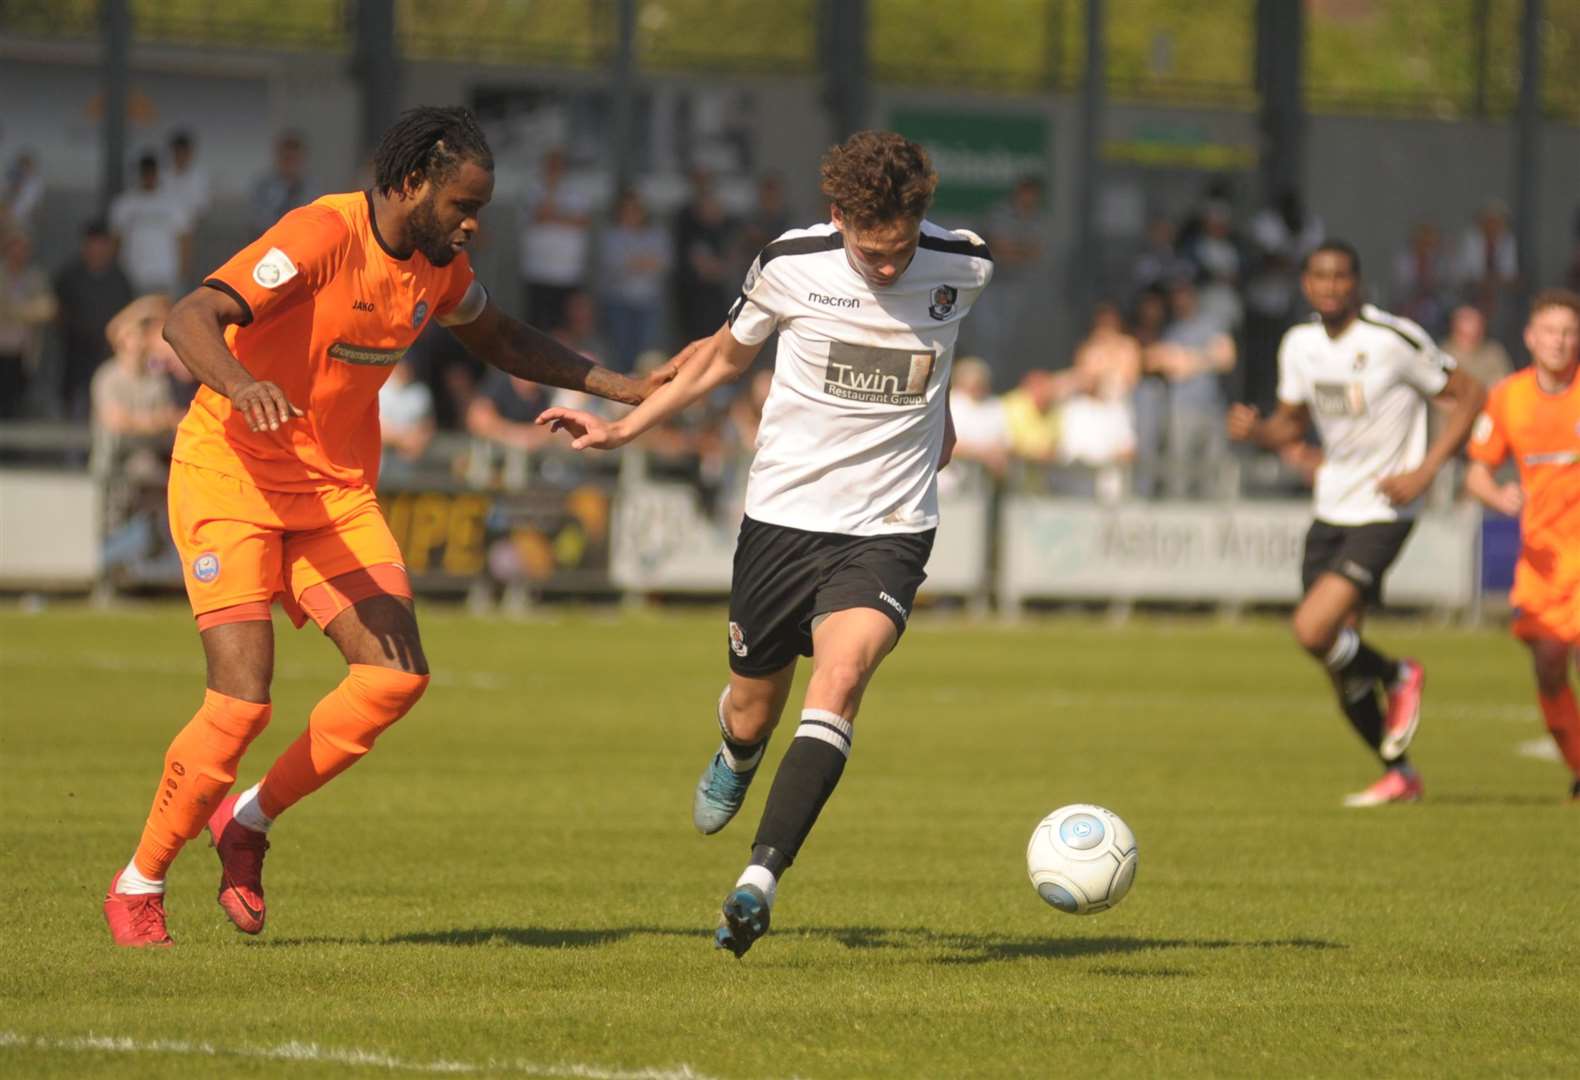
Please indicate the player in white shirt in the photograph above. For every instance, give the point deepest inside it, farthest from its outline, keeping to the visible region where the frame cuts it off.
(842, 499)
(1364, 377)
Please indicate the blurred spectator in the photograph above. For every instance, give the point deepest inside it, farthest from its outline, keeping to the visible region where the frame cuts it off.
(578, 326)
(981, 421)
(1150, 402)
(1215, 251)
(1281, 236)
(1195, 354)
(504, 410)
(555, 242)
(1015, 234)
(1099, 429)
(634, 258)
(702, 254)
(1031, 412)
(1476, 355)
(27, 305)
(91, 289)
(1160, 261)
(285, 186)
(21, 193)
(187, 179)
(1286, 231)
(405, 419)
(154, 233)
(1488, 267)
(130, 394)
(768, 220)
(1421, 279)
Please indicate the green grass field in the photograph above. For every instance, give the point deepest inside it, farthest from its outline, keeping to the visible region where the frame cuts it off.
(510, 884)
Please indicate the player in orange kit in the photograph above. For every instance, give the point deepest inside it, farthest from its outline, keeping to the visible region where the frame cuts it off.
(272, 485)
(1534, 417)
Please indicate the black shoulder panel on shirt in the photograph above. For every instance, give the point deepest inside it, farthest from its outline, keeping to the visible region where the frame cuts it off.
(1408, 340)
(799, 245)
(956, 247)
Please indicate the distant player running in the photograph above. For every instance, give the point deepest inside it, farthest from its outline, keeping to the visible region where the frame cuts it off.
(1364, 376)
(1534, 417)
(271, 488)
(842, 499)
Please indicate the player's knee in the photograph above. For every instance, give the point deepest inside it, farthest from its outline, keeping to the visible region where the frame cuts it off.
(1313, 633)
(1552, 675)
(841, 680)
(383, 694)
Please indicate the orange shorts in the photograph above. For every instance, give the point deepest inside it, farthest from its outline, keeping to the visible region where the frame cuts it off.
(242, 545)
(1554, 621)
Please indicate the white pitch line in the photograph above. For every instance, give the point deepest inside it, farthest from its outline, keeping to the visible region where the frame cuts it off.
(312, 1052)
(1541, 749)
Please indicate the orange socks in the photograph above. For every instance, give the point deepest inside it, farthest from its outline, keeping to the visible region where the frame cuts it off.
(200, 767)
(341, 729)
(1563, 720)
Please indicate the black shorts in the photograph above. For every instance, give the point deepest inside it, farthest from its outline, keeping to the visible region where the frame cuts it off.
(1361, 554)
(785, 578)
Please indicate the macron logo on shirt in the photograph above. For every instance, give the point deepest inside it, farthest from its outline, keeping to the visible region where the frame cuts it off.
(832, 301)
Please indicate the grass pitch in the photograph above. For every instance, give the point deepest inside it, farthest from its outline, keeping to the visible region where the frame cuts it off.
(510, 884)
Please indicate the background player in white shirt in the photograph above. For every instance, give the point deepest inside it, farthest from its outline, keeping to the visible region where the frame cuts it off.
(1364, 377)
(842, 500)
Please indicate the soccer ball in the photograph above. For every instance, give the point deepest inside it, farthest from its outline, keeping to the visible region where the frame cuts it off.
(1082, 859)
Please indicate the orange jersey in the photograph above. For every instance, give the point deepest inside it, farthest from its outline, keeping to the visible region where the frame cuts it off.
(327, 311)
(1541, 431)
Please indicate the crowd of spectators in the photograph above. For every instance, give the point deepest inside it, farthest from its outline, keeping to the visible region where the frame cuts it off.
(621, 279)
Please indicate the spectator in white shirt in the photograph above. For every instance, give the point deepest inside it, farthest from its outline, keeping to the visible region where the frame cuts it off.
(187, 180)
(981, 423)
(555, 242)
(154, 233)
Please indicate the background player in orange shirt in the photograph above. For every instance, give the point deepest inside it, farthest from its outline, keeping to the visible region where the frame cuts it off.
(1534, 417)
(272, 485)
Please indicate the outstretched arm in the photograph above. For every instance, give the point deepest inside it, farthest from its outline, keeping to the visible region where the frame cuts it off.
(1287, 425)
(703, 365)
(530, 354)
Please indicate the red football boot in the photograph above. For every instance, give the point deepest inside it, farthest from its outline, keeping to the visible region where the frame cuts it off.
(241, 853)
(136, 921)
(1404, 710)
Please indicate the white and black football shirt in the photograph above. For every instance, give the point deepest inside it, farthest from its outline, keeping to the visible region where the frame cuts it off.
(854, 421)
(1368, 392)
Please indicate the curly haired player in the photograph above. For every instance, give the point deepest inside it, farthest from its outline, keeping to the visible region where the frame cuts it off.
(272, 486)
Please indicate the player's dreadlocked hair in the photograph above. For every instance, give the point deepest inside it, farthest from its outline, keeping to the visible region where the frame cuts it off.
(429, 142)
(877, 177)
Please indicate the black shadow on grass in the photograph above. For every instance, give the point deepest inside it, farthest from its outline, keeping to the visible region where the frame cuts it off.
(986, 948)
(931, 946)
(530, 937)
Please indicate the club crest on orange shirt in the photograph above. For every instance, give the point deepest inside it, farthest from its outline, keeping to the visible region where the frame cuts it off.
(419, 313)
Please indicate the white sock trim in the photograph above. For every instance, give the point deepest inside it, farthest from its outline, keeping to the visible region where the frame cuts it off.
(247, 812)
(1344, 649)
(761, 877)
(132, 883)
(827, 726)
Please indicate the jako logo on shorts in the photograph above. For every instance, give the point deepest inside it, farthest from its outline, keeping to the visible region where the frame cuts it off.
(206, 567)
